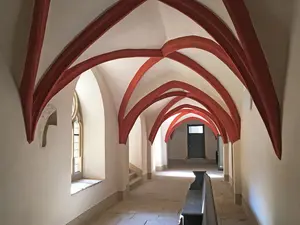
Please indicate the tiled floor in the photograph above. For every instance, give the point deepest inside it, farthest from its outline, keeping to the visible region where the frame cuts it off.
(160, 200)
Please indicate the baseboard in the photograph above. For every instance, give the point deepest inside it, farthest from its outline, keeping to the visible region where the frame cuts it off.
(94, 212)
(226, 178)
(161, 168)
(238, 199)
(122, 195)
(146, 177)
(149, 176)
(192, 161)
(249, 212)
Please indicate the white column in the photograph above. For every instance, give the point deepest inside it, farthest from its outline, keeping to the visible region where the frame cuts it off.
(226, 162)
(123, 171)
(145, 156)
(158, 148)
(230, 163)
(149, 160)
(237, 181)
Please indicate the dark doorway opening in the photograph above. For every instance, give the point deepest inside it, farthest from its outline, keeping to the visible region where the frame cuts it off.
(196, 141)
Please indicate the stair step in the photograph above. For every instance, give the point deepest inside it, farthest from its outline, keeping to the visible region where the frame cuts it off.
(137, 181)
(132, 175)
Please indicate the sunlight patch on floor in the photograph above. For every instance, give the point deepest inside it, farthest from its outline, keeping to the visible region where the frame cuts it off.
(176, 173)
(187, 174)
(215, 174)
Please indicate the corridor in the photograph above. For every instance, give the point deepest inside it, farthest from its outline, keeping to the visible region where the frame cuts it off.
(101, 97)
(159, 201)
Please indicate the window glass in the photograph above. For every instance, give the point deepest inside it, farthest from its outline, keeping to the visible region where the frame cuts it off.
(196, 129)
(77, 138)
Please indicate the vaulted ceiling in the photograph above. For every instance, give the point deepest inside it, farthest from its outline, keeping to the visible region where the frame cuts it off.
(156, 56)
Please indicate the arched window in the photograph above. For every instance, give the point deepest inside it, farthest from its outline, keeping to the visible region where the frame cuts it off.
(77, 132)
(88, 134)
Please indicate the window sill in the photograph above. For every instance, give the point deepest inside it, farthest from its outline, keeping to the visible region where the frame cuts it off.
(83, 184)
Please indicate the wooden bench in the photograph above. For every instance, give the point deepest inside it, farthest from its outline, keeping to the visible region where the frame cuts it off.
(199, 206)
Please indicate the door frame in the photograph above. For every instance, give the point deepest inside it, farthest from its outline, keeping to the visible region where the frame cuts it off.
(194, 125)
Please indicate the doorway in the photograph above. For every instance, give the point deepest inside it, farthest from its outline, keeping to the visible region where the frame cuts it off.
(196, 141)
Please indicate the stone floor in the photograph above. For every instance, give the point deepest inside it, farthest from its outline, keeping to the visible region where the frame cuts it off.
(228, 213)
(159, 201)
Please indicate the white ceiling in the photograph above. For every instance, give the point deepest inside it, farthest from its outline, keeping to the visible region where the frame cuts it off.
(149, 26)
(155, 26)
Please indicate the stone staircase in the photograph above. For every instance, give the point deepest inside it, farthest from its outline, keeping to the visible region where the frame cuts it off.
(135, 179)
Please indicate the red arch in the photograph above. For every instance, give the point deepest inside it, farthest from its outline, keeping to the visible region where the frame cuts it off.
(159, 119)
(171, 129)
(200, 96)
(216, 120)
(169, 50)
(254, 71)
(44, 92)
(268, 107)
(165, 114)
(184, 112)
(73, 72)
(178, 57)
(34, 49)
(204, 44)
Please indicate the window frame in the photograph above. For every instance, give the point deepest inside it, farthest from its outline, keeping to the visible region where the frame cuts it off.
(76, 117)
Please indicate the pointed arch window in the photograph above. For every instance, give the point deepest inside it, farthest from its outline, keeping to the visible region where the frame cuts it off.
(77, 137)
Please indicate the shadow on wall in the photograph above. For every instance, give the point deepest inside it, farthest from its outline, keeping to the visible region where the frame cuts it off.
(273, 21)
(20, 39)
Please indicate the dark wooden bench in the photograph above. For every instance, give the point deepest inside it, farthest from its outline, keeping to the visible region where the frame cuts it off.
(199, 206)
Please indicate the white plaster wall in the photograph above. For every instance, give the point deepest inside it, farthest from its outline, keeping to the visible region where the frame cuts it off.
(280, 14)
(157, 149)
(135, 144)
(221, 151)
(230, 161)
(112, 146)
(153, 161)
(263, 181)
(92, 109)
(36, 183)
(146, 156)
(15, 21)
(177, 146)
(164, 129)
(211, 143)
(62, 17)
(270, 185)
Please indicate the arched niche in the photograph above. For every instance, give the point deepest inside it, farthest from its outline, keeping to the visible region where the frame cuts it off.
(48, 118)
(93, 122)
